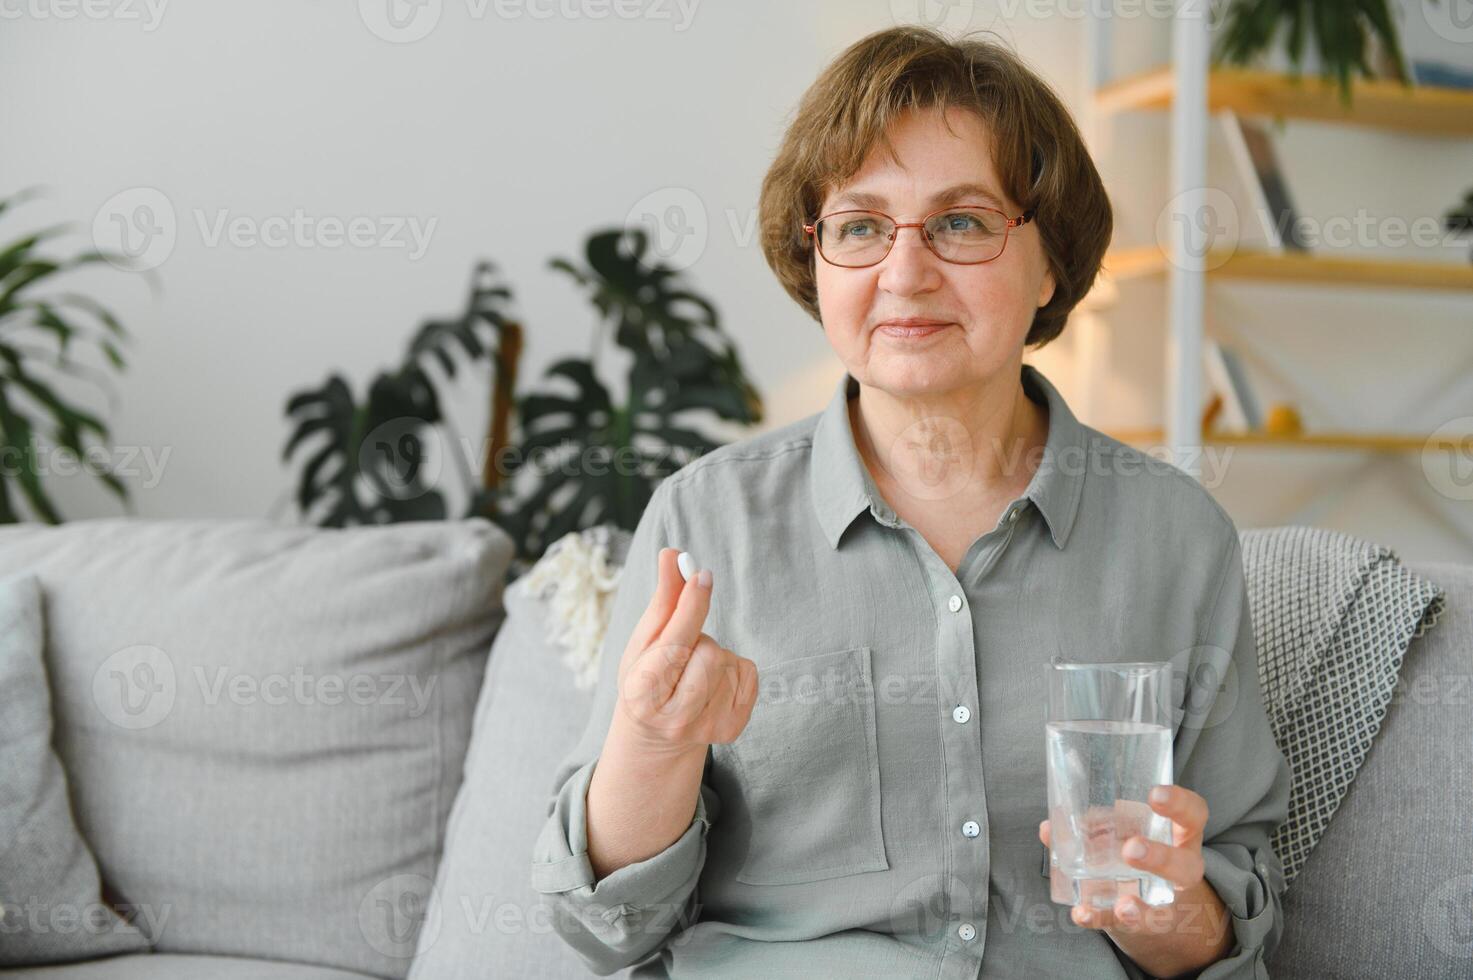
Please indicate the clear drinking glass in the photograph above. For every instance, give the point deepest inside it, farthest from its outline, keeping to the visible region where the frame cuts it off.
(1108, 742)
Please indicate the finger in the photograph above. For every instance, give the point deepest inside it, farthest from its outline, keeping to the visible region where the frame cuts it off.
(684, 626)
(1182, 866)
(1129, 914)
(698, 681)
(1043, 833)
(1186, 809)
(1092, 918)
(662, 603)
(743, 699)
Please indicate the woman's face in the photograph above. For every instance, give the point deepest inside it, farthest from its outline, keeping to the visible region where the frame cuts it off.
(986, 308)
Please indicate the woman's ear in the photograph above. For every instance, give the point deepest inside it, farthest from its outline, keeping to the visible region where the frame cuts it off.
(1046, 288)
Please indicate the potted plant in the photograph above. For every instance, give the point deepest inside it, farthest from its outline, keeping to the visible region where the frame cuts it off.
(572, 457)
(40, 331)
(1350, 37)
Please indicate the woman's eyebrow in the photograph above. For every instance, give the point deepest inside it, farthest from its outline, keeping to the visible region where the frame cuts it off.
(951, 195)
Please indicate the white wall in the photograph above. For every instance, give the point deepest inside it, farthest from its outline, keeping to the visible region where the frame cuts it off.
(510, 135)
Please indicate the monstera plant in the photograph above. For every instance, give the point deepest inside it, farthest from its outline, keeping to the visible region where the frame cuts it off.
(576, 457)
(595, 461)
(371, 464)
(40, 331)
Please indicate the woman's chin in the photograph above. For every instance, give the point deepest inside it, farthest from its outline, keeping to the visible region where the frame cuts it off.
(915, 377)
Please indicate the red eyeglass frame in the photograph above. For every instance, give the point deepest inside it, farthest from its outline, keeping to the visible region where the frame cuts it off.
(811, 230)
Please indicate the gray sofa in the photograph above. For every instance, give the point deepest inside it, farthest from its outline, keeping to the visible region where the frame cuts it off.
(307, 837)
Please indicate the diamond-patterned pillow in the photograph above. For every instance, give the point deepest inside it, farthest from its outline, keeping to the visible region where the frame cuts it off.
(1332, 616)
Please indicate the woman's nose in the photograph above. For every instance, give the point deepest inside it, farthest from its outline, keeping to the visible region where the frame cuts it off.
(911, 267)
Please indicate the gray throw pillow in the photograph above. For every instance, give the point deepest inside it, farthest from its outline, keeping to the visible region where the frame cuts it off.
(263, 725)
(50, 890)
(485, 920)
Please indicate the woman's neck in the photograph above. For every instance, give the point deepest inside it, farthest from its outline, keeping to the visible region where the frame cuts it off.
(966, 445)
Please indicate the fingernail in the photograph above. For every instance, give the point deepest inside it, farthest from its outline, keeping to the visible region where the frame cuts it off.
(1158, 794)
(704, 579)
(1134, 848)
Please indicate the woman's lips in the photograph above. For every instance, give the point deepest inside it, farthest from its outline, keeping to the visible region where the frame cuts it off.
(912, 331)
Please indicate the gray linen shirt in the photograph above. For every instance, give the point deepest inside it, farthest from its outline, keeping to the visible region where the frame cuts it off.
(879, 815)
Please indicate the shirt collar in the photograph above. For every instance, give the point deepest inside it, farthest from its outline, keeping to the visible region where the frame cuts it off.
(841, 485)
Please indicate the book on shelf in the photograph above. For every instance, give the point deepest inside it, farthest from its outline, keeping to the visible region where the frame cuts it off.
(1440, 74)
(1228, 380)
(1252, 151)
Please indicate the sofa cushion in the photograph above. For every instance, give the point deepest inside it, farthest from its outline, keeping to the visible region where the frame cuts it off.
(485, 920)
(1332, 615)
(179, 967)
(1388, 891)
(51, 899)
(264, 724)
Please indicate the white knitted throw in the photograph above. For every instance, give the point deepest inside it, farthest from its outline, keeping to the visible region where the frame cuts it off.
(576, 580)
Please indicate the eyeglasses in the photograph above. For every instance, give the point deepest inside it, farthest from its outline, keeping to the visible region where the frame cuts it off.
(966, 234)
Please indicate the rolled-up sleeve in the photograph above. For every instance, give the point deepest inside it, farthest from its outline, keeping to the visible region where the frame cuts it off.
(629, 914)
(1225, 751)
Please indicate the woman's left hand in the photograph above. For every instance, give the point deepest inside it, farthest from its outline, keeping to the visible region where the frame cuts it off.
(1179, 862)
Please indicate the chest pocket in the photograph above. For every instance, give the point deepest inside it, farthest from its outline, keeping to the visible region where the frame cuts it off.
(809, 771)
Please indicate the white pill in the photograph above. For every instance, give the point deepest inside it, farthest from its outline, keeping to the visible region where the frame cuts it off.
(687, 565)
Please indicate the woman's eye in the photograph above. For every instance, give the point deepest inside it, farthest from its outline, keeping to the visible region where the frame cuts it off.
(963, 222)
(856, 229)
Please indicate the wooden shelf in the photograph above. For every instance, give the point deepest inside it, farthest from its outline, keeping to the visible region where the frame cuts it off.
(1356, 441)
(1422, 109)
(1299, 267)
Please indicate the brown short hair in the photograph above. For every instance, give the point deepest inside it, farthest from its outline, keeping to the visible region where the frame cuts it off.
(1038, 153)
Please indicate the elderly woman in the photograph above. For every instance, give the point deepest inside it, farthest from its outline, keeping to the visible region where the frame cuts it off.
(822, 755)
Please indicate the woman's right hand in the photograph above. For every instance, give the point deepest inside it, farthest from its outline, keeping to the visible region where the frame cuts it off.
(679, 690)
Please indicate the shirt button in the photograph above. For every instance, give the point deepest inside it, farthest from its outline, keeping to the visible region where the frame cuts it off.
(966, 931)
(970, 829)
(960, 714)
(954, 603)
